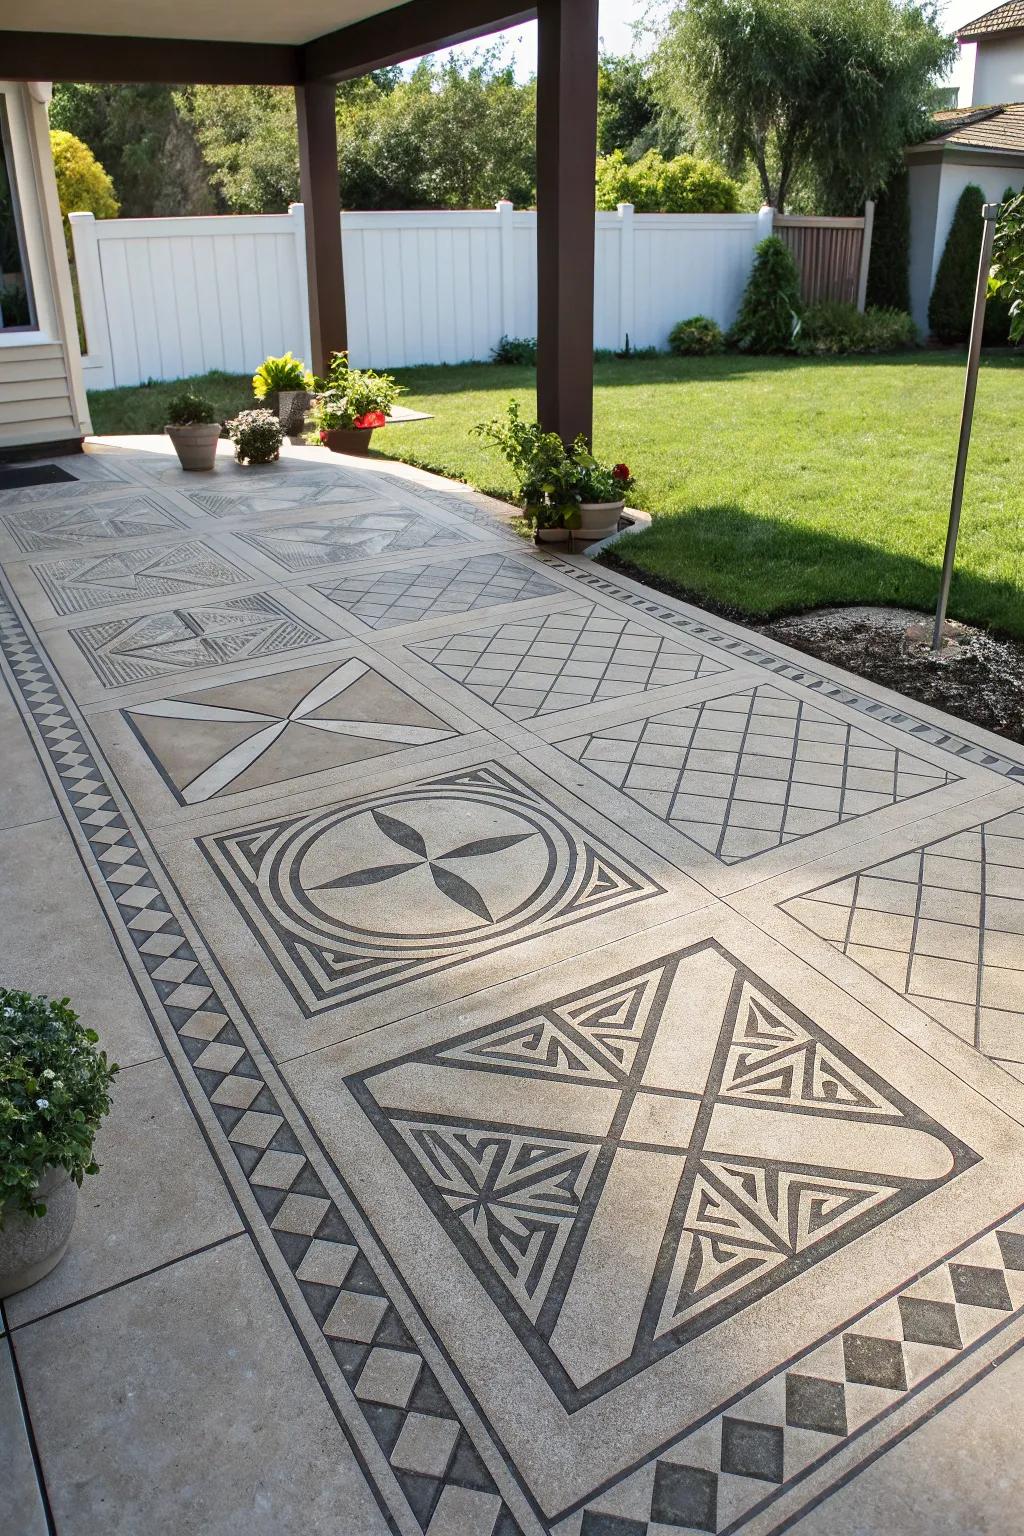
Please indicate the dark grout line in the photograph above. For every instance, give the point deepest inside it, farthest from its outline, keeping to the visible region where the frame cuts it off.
(119, 1285)
(30, 1434)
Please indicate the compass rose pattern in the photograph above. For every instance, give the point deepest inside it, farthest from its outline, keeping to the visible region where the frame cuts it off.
(270, 729)
(303, 546)
(380, 891)
(703, 1130)
(181, 639)
(101, 581)
(121, 517)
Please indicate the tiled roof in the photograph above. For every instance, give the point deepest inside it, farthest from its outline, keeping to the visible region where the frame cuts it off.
(1005, 18)
(983, 127)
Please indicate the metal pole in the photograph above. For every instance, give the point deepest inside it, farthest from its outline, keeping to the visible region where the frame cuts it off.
(990, 212)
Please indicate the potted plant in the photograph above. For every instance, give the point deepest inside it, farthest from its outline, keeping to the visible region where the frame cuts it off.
(193, 429)
(602, 492)
(547, 476)
(257, 436)
(349, 405)
(284, 385)
(54, 1091)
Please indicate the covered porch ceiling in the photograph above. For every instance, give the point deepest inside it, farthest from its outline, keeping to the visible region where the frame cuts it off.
(237, 42)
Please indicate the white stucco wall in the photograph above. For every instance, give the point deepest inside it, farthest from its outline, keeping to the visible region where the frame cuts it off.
(935, 190)
(999, 71)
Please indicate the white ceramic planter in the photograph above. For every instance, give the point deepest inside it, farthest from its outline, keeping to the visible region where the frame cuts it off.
(552, 535)
(30, 1246)
(196, 444)
(598, 520)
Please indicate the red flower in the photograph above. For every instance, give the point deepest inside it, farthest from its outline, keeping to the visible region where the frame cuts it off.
(621, 472)
(323, 435)
(370, 420)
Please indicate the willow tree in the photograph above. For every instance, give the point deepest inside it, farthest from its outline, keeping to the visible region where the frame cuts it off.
(827, 94)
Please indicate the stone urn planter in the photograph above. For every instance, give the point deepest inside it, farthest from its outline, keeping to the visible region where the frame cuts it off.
(30, 1246)
(598, 520)
(347, 439)
(195, 444)
(291, 408)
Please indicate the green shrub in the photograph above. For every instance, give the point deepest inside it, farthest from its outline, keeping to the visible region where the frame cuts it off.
(770, 310)
(656, 185)
(999, 305)
(516, 351)
(257, 436)
(836, 330)
(54, 1091)
(546, 474)
(280, 374)
(952, 302)
(696, 337)
(889, 269)
(189, 410)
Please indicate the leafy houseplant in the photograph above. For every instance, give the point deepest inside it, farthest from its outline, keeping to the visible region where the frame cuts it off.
(547, 475)
(602, 493)
(257, 436)
(284, 384)
(351, 402)
(193, 429)
(54, 1091)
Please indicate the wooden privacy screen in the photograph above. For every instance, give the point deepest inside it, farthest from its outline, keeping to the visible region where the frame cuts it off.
(831, 255)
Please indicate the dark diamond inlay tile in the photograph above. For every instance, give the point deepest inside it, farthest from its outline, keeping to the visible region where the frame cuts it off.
(930, 1322)
(874, 1362)
(1011, 1246)
(611, 1525)
(751, 1449)
(685, 1497)
(976, 1286)
(815, 1403)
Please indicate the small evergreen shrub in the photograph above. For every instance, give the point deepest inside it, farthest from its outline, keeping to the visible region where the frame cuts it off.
(257, 436)
(696, 337)
(513, 351)
(838, 330)
(189, 410)
(769, 314)
(889, 269)
(951, 305)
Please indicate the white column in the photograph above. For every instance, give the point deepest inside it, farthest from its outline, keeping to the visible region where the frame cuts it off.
(297, 214)
(627, 273)
(97, 362)
(765, 221)
(865, 255)
(506, 239)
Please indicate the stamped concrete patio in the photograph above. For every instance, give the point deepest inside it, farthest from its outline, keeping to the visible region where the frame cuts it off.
(573, 1049)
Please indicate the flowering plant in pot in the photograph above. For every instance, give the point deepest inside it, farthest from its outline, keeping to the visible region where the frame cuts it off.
(54, 1091)
(257, 436)
(350, 404)
(193, 429)
(547, 477)
(284, 384)
(602, 490)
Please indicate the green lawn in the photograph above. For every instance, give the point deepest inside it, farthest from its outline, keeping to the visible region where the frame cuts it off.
(777, 484)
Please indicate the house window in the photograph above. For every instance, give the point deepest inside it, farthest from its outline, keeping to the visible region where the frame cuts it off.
(17, 310)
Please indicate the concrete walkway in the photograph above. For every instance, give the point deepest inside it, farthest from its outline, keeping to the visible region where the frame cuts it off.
(573, 1049)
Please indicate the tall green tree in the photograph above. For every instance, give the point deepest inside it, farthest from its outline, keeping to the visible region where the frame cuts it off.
(889, 272)
(801, 88)
(631, 115)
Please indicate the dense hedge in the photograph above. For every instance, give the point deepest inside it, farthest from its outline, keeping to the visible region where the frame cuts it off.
(889, 271)
(655, 185)
(837, 330)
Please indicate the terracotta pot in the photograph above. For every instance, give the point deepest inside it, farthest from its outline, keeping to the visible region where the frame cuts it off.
(196, 444)
(347, 439)
(30, 1246)
(552, 535)
(598, 520)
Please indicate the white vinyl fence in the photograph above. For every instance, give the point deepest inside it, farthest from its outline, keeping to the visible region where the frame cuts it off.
(165, 298)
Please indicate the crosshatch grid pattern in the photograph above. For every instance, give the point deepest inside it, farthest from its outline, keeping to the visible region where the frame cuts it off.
(531, 667)
(386, 599)
(944, 926)
(746, 772)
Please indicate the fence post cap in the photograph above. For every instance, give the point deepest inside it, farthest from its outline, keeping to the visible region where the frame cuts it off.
(990, 210)
(504, 202)
(85, 216)
(623, 208)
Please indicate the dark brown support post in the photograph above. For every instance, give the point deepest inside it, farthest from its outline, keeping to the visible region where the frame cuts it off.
(318, 180)
(567, 44)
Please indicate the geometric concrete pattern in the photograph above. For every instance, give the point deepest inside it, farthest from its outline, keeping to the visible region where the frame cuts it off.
(477, 1167)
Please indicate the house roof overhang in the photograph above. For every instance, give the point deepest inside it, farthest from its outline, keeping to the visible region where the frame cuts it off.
(1002, 21)
(195, 41)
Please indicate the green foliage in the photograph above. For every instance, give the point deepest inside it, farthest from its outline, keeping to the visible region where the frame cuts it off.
(596, 481)
(54, 1091)
(696, 337)
(516, 351)
(545, 473)
(257, 436)
(1006, 283)
(189, 410)
(280, 373)
(770, 309)
(630, 115)
(656, 185)
(889, 269)
(83, 186)
(838, 330)
(348, 395)
(951, 305)
(831, 91)
(144, 142)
